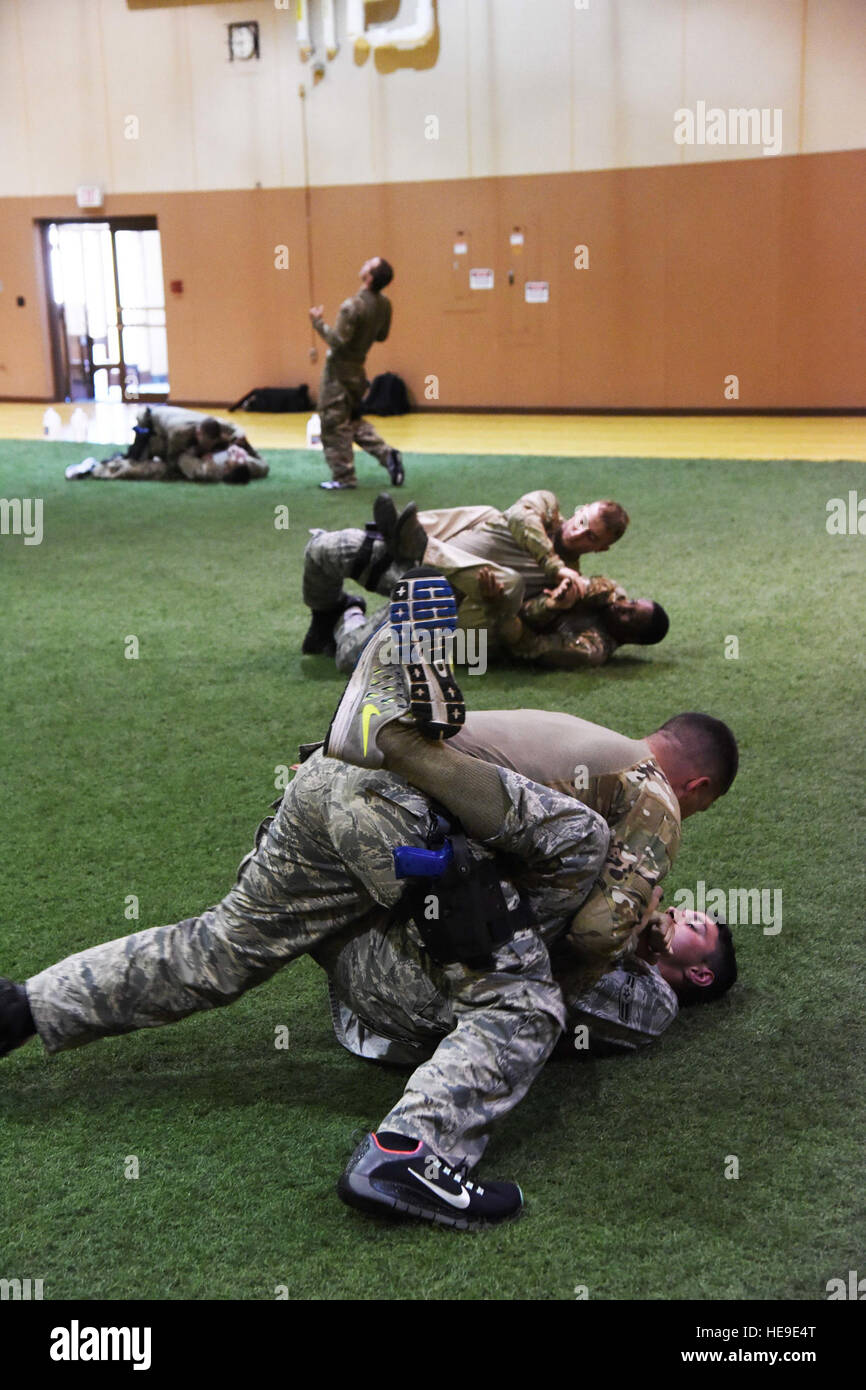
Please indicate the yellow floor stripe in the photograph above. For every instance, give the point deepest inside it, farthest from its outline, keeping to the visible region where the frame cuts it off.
(819, 438)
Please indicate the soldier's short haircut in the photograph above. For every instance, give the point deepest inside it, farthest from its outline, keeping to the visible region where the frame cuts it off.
(709, 743)
(656, 628)
(210, 428)
(722, 962)
(615, 518)
(381, 275)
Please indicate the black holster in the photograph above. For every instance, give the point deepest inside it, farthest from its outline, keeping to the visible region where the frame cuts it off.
(462, 914)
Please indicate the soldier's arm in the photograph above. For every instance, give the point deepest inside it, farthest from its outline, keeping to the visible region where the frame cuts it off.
(643, 843)
(626, 1008)
(530, 522)
(344, 329)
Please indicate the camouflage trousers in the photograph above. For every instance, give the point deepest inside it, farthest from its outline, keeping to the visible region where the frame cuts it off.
(194, 468)
(323, 865)
(136, 470)
(329, 559)
(342, 426)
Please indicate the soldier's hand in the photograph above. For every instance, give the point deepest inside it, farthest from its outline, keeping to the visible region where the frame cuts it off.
(317, 313)
(570, 588)
(490, 585)
(659, 935)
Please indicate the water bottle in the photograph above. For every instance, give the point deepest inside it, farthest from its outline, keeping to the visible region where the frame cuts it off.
(314, 432)
(51, 423)
(78, 425)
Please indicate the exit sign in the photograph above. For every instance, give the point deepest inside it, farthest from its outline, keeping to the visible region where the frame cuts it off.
(89, 195)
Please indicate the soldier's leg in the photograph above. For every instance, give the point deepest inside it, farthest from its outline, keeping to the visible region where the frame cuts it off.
(462, 568)
(508, 1020)
(352, 632)
(131, 470)
(331, 557)
(292, 894)
(369, 440)
(335, 415)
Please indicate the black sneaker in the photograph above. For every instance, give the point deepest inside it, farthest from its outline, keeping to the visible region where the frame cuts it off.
(423, 617)
(16, 1020)
(319, 637)
(394, 465)
(416, 1182)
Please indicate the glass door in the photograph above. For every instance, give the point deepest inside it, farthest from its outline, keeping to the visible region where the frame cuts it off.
(107, 310)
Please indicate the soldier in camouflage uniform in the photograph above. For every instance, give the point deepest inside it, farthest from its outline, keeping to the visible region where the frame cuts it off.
(173, 444)
(322, 864)
(528, 549)
(389, 1000)
(364, 319)
(574, 635)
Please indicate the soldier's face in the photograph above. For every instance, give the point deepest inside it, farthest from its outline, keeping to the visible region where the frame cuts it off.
(632, 616)
(696, 936)
(368, 267)
(585, 533)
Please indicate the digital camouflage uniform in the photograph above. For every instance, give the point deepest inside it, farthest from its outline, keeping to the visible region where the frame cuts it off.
(364, 319)
(323, 864)
(390, 1001)
(171, 451)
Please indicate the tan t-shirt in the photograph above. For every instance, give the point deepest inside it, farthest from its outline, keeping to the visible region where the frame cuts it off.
(547, 746)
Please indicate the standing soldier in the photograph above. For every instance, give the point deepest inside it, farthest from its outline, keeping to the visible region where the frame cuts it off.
(364, 319)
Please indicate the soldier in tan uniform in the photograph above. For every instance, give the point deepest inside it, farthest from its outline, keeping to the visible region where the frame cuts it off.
(364, 319)
(173, 444)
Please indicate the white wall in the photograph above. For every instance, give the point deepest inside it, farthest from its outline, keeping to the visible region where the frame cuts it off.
(518, 86)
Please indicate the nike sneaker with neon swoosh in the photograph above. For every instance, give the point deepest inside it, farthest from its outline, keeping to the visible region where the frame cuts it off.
(376, 694)
(412, 1180)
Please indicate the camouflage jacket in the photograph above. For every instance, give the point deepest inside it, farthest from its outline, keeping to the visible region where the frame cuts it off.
(571, 637)
(643, 814)
(364, 319)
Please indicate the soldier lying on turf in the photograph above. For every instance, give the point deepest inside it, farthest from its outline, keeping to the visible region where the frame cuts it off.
(173, 445)
(325, 863)
(390, 1003)
(570, 634)
(528, 547)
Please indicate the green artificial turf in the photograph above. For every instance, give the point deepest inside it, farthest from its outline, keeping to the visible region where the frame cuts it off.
(149, 776)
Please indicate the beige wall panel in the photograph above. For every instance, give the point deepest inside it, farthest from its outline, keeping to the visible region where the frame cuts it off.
(742, 54)
(627, 83)
(834, 88)
(149, 76)
(63, 55)
(16, 162)
(752, 267)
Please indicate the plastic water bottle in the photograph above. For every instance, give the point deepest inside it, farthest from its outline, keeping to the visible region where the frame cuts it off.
(314, 432)
(78, 425)
(51, 423)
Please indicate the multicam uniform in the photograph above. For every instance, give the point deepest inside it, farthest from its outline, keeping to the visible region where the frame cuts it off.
(364, 319)
(324, 864)
(171, 451)
(569, 639)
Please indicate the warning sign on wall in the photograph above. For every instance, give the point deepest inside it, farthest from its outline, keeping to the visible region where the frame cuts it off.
(536, 291)
(480, 279)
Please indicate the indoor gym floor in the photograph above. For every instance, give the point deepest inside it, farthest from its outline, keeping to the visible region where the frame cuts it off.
(147, 777)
